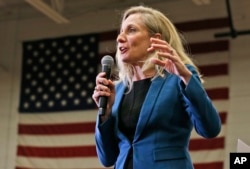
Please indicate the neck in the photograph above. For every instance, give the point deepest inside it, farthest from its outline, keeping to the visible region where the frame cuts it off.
(139, 74)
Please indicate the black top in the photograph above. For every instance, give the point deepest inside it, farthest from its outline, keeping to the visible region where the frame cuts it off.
(130, 111)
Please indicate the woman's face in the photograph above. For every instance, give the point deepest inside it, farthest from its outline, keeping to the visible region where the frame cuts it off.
(133, 40)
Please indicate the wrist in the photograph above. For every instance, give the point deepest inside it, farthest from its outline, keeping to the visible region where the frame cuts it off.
(186, 77)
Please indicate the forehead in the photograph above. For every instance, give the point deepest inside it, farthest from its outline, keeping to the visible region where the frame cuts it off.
(135, 19)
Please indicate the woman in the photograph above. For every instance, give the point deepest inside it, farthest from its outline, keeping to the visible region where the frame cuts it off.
(157, 101)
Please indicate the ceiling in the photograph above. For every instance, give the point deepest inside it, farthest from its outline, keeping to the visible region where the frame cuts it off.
(20, 9)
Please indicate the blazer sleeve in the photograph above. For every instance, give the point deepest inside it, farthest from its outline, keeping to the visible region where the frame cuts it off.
(106, 142)
(203, 114)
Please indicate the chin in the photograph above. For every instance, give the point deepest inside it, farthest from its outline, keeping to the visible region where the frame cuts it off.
(124, 59)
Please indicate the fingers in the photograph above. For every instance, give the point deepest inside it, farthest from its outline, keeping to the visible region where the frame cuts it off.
(167, 64)
(102, 90)
(158, 62)
(169, 55)
(163, 49)
(104, 87)
(101, 79)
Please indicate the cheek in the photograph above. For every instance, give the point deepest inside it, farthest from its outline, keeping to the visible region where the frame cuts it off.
(133, 42)
(143, 46)
(140, 43)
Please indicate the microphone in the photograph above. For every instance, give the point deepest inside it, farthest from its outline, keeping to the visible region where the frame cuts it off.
(107, 62)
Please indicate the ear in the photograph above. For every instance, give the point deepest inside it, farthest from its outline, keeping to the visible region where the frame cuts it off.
(157, 35)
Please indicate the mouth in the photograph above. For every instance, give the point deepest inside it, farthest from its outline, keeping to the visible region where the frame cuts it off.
(123, 50)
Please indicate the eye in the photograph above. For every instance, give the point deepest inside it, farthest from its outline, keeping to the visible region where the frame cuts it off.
(131, 29)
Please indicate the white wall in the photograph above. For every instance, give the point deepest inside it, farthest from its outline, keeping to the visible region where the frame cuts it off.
(13, 33)
(239, 115)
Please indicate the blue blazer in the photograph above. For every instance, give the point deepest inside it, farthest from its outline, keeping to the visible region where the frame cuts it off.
(168, 115)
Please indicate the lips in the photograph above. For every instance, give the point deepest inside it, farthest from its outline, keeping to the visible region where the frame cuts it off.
(123, 49)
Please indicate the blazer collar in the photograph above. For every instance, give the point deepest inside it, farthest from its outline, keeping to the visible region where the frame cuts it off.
(146, 110)
(149, 102)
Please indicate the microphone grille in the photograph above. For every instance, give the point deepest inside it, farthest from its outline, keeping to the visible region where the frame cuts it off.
(107, 60)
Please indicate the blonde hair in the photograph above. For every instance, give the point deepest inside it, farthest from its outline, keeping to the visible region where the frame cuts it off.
(155, 22)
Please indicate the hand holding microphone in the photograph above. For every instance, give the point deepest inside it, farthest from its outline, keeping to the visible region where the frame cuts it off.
(104, 87)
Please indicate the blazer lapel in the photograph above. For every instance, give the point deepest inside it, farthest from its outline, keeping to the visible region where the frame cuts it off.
(120, 90)
(118, 98)
(149, 102)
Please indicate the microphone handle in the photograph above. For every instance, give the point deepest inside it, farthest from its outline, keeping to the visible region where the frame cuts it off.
(103, 100)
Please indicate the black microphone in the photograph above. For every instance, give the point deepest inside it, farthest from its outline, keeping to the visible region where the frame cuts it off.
(107, 62)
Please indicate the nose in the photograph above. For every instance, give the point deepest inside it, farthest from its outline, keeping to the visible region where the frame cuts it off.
(120, 38)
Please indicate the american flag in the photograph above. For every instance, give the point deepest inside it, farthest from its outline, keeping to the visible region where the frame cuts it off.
(59, 74)
(57, 115)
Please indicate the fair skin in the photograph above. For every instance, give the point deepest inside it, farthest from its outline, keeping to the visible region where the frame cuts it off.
(134, 44)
